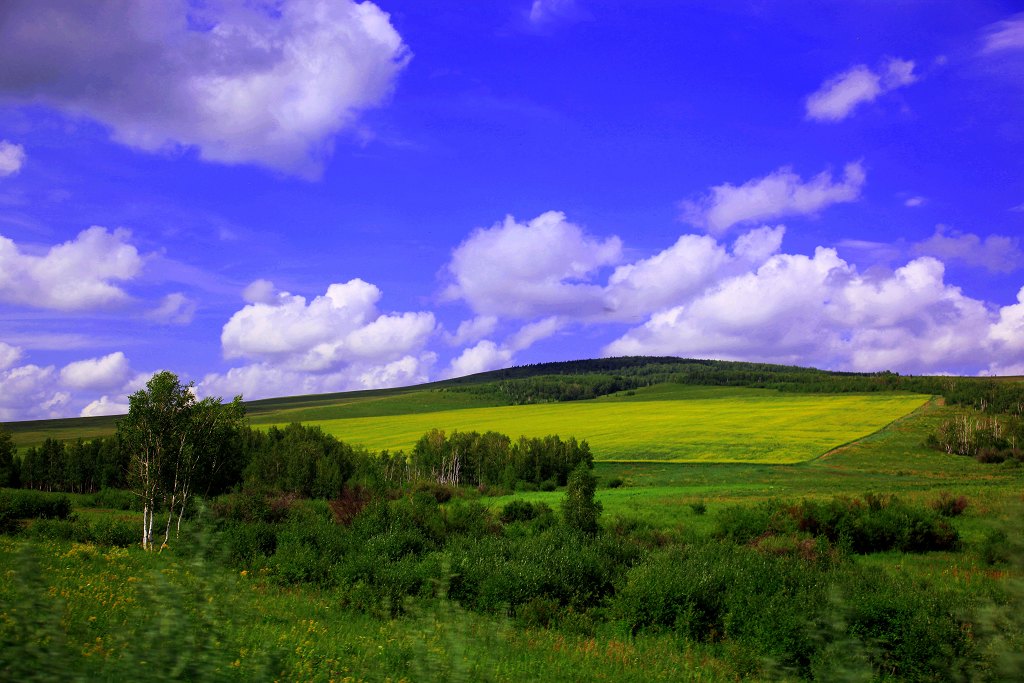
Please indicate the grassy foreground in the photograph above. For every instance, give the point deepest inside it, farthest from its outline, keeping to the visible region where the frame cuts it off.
(80, 611)
(666, 423)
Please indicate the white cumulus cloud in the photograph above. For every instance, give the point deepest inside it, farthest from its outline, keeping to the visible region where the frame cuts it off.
(524, 270)
(472, 330)
(483, 356)
(9, 355)
(342, 326)
(78, 274)
(260, 292)
(105, 405)
(266, 379)
(837, 97)
(97, 373)
(12, 158)
(338, 341)
(781, 193)
(819, 310)
(264, 83)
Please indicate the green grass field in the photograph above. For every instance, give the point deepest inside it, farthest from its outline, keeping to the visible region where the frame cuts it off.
(664, 423)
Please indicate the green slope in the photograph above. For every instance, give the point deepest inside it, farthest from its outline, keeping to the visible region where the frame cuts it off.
(670, 423)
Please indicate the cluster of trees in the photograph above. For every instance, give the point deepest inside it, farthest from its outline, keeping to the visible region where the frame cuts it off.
(988, 438)
(474, 459)
(76, 467)
(10, 465)
(174, 442)
(299, 459)
(577, 380)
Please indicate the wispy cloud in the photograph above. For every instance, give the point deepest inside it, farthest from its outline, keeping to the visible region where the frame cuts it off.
(839, 96)
(12, 158)
(1004, 35)
(995, 253)
(778, 194)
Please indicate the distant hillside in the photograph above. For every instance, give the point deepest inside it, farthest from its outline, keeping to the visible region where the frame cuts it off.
(565, 381)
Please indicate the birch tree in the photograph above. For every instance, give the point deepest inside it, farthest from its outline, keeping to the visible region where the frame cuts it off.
(172, 439)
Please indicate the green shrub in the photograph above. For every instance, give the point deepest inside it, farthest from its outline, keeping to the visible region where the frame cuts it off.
(495, 574)
(699, 507)
(615, 483)
(471, 518)
(306, 551)
(909, 629)
(113, 499)
(873, 524)
(28, 504)
(993, 548)
(949, 505)
(579, 509)
(549, 485)
(248, 544)
(70, 529)
(517, 511)
(117, 532)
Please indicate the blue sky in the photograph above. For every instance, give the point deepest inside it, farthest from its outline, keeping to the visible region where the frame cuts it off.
(298, 196)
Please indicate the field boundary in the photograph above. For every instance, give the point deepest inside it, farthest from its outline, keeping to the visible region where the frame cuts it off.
(932, 400)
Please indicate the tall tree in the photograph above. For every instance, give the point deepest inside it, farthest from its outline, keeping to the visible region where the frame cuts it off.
(9, 464)
(171, 438)
(579, 509)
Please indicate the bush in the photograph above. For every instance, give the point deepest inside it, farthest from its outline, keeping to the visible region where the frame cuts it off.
(471, 518)
(579, 509)
(549, 485)
(117, 532)
(248, 544)
(306, 551)
(615, 483)
(993, 548)
(874, 524)
(254, 506)
(70, 529)
(28, 504)
(494, 574)
(909, 629)
(517, 511)
(441, 493)
(113, 499)
(699, 507)
(949, 505)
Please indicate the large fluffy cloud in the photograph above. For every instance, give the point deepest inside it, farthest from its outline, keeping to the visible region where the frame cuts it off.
(747, 300)
(268, 83)
(819, 310)
(107, 372)
(12, 157)
(523, 270)
(839, 96)
(337, 341)
(30, 391)
(78, 274)
(266, 379)
(342, 326)
(551, 267)
(781, 193)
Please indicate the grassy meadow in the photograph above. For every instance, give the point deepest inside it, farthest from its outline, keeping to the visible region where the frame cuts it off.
(673, 463)
(663, 423)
